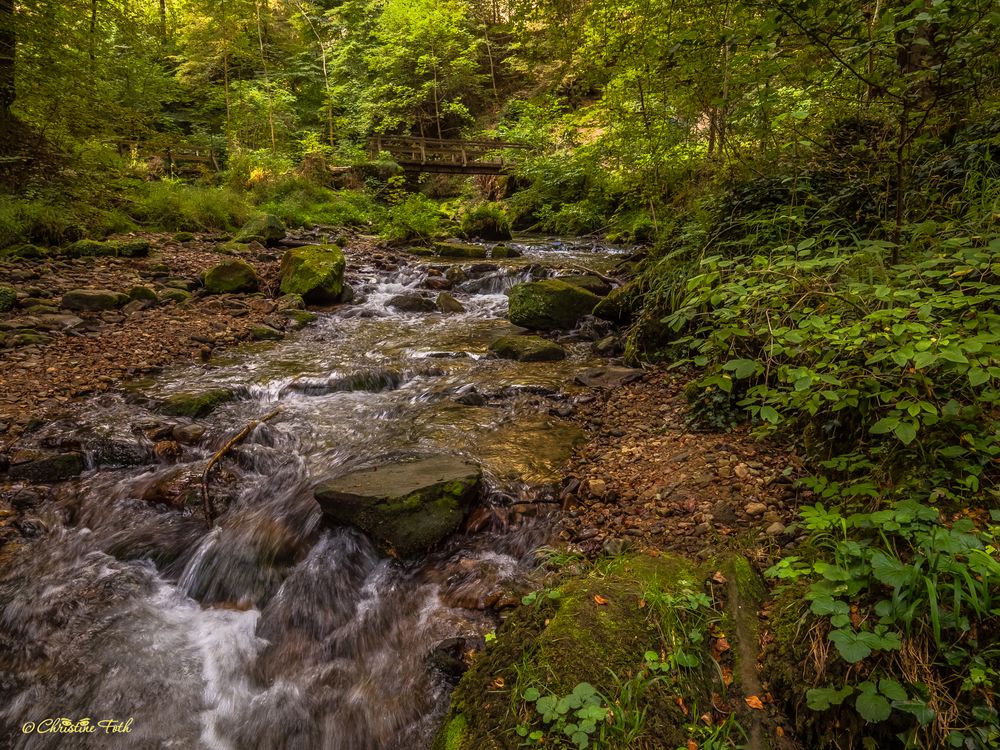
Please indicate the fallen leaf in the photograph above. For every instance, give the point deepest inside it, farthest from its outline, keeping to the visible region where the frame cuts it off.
(718, 578)
(727, 676)
(642, 604)
(498, 683)
(754, 702)
(720, 647)
(692, 745)
(706, 718)
(679, 700)
(779, 731)
(600, 599)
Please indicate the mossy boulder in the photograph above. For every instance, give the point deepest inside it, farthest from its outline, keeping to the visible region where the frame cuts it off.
(299, 318)
(590, 282)
(111, 248)
(619, 305)
(92, 300)
(549, 305)
(174, 295)
(266, 333)
(527, 349)
(409, 507)
(47, 467)
(458, 250)
(505, 251)
(183, 237)
(8, 297)
(315, 273)
(266, 228)
(230, 277)
(196, 404)
(24, 252)
(447, 303)
(143, 294)
(593, 628)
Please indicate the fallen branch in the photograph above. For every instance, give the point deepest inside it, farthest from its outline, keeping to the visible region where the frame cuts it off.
(233, 442)
(592, 272)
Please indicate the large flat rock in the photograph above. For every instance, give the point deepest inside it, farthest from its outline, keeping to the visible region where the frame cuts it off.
(408, 506)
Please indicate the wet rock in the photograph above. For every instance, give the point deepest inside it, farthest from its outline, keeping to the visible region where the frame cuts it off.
(230, 277)
(196, 404)
(505, 251)
(188, 434)
(590, 282)
(471, 397)
(373, 380)
(36, 466)
(8, 297)
(117, 451)
(408, 507)
(446, 658)
(93, 300)
(527, 349)
(26, 498)
(617, 306)
(458, 250)
(609, 346)
(265, 333)
(549, 304)
(411, 303)
(315, 272)
(290, 302)
(447, 303)
(299, 318)
(608, 377)
(266, 229)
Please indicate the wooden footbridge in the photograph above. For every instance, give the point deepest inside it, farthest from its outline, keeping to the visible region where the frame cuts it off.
(448, 156)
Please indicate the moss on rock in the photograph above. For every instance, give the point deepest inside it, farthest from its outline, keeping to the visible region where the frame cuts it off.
(230, 277)
(549, 304)
(8, 298)
(266, 228)
(196, 404)
(315, 272)
(527, 349)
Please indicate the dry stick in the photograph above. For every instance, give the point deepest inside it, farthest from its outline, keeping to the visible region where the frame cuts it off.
(237, 438)
(592, 272)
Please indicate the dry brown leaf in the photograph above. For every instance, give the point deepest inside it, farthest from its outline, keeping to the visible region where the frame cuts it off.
(727, 676)
(692, 745)
(600, 599)
(706, 718)
(679, 700)
(718, 578)
(754, 702)
(642, 604)
(498, 683)
(720, 647)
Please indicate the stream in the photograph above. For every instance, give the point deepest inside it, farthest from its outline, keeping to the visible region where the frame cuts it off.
(276, 629)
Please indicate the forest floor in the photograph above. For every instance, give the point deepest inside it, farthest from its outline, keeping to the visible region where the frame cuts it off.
(648, 477)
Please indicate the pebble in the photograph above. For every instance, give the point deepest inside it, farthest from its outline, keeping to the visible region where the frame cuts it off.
(755, 509)
(776, 529)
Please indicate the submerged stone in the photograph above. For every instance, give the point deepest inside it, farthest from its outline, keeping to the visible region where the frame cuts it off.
(409, 507)
(46, 468)
(527, 349)
(196, 404)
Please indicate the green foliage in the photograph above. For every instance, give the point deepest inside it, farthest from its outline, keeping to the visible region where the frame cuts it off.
(175, 206)
(572, 719)
(415, 218)
(897, 579)
(36, 221)
(301, 203)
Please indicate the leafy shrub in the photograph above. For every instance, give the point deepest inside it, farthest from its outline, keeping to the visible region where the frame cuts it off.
(37, 221)
(299, 202)
(488, 221)
(416, 217)
(249, 169)
(174, 206)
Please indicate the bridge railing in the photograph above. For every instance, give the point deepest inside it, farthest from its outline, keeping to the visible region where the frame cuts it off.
(413, 150)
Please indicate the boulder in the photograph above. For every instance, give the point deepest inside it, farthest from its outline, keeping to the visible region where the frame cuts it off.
(409, 507)
(265, 333)
(618, 305)
(174, 295)
(231, 276)
(447, 303)
(8, 297)
(549, 304)
(411, 303)
(590, 282)
(45, 467)
(314, 272)
(143, 294)
(266, 228)
(505, 251)
(196, 404)
(93, 299)
(527, 349)
(24, 252)
(459, 250)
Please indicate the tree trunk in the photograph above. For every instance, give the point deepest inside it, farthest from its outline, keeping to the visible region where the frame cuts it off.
(163, 21)
(8, 46)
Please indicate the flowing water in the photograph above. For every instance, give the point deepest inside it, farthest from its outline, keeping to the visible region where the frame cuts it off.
(274, 629)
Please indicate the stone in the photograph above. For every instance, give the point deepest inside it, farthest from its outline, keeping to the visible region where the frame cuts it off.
(109, 450)
(755, 509)
(143, 293)
(314, 272)
(111, 248)
(775, 529)
(590, 282)
(196, 404)
(24, 252)
(527, 349)
(597, 487)
(290, 302)
(46, 468)
(505, 251)
(458, 250)
(299, 318)
(174, 295)
(265, 333)
(266, 228)
(609, 346)
(183, 237)
(93, 299)
(617, 305)
(8, 298)
(447, 303)
(608, 377)
(411, 303)
(231, 277)
(188, 434)
(549, 304)
(408, 507)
